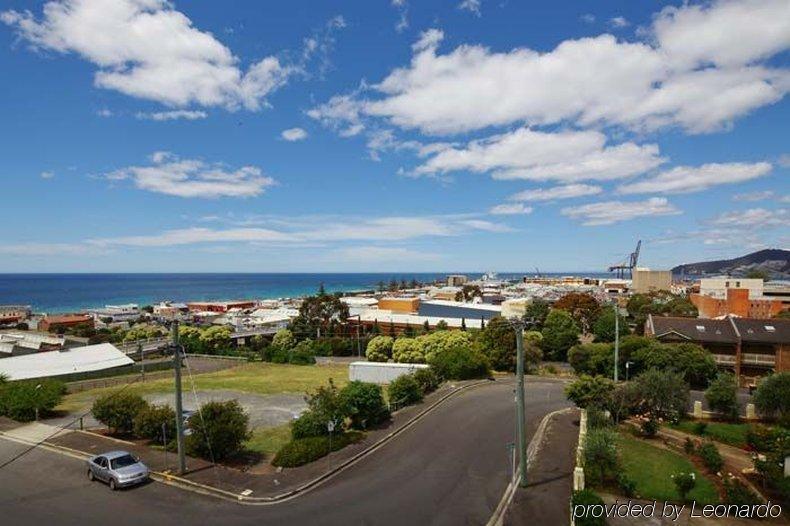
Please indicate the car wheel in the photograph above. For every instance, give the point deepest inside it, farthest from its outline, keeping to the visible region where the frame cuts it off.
(90, 476)
(113, 487)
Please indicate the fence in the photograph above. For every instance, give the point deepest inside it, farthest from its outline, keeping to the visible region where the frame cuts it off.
(578, 471)
(77, 382)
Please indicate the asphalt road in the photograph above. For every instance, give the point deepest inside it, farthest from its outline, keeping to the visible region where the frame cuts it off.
(450, 468)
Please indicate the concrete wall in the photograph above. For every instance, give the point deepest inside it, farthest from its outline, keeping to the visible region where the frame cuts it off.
(379, 372)
(645, 280)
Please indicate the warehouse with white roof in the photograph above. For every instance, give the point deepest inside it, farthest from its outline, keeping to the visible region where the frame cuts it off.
(66, 361)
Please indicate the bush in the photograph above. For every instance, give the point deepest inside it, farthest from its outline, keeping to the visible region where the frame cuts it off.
(118, 410)
(284, 339)
(560, 333)
(600, 456)
(590, 391)
(763, 438)
(710, 457)
(736, 492)
(684, 483)
(663, 394)
(772, 397)
(299, 452)
(149, 421)
(689, 447)
(597, 419)
(308, 425)
(428, 379)
(278, 354)
(302, 354)
(722, 396)
(626, 484)
(329, 406)
(649, 428)
(404, 390)
(498, 342)
(219, 430)
(460, 363)
(408, 350)
(365, 404)
(700, 428)
(584, 499)
(379, 349)
(592, 358)
(20, 400)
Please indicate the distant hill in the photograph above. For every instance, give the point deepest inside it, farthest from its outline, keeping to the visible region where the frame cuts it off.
(773, 261)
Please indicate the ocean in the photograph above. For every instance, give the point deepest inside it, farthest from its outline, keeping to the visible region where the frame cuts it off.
(75, 292)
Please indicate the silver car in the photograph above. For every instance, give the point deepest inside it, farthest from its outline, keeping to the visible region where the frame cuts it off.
(118, 469)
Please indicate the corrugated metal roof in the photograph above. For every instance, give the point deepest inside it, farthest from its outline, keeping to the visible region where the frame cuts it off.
(67, 361)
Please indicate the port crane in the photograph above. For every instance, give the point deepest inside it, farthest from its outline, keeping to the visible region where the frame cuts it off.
(633, 259)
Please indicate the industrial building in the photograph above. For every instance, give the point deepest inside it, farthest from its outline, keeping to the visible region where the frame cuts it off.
(645, 280)
(219, 306)
(457, 309)
(751, 348)
(117, 313)
(740, 297)
(63, 321)
(401, 305)
(456, 280)
(63, 362)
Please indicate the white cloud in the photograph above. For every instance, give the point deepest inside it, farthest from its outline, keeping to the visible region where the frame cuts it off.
(563, 156)
(588, 18)
(104, 112)
(189, 115)
(168, 174)
(294, 134)
(754, 196)
(684, 179)
(752, 218)
(510, 209)
(403, 14)
(48, 174)
(473, 6)
(609, 212)
(619, 22)
(376, 254)
(558, 192)
(341, 113)
(662, 80)
(147, 49)
(784, 160)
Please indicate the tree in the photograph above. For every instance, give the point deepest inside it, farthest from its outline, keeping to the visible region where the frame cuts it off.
(25, 400)
(772, 397)
(443, 341)
(328, 406)
(783, 315)
(722, 395)
(460, 363)
(659, 304)
(404, 390)
(365, 404)
(408, 350)
(590, 391)
(381, 287)
(284, 339)
(469, 292)
(498, 343)
(118, 410)
(532, 351)
(622, 401)
(379, 349)
(694, 362)
(322, 313)
(582, 307)
(216, 339)
(592, 358)
(662, 394)
(393, 286)
(604, 326)
(219, 430)
(441, 326)
(560, 333)
(536, 313)
(758, 273)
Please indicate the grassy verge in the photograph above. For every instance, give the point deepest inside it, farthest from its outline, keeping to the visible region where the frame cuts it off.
(257, 378)
(651, 468)
(726, 433)
(269, 441)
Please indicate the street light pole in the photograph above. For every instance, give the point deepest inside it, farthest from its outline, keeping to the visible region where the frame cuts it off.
(616, 340)
(182, 465)
(520, 415)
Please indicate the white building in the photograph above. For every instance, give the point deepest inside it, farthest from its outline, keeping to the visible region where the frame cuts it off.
(66, 361)
(116, 313)
(717, 287)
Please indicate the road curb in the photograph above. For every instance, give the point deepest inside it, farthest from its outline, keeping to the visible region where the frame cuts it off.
(497, 518)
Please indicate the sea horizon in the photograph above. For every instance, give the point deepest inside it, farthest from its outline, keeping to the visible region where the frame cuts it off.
(78, 291)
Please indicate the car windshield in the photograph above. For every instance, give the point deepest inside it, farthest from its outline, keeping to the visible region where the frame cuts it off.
(122, 462)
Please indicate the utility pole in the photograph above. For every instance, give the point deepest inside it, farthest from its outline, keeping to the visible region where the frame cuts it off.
(142, 360)
(616, 340)
(182, 465)
(520, 414)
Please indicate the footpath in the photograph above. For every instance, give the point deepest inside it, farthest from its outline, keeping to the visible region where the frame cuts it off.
(545, 500)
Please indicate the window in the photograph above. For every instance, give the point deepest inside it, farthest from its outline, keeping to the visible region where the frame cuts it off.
(770, 328)
(737, 284)
(701, 328)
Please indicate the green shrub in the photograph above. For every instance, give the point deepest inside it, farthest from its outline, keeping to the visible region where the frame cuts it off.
(590, 391)
(379, 349)
(460, 363)
(118, 410)
(150, 420)
(583, 499)
(700, 428)
(302, 354)
(650, 428)
(772, 397)
(439, 342)
(284, 339)
(626, 484)
(736, 492)
(600, 456)
(763, 438)
(365, 403)
(19, 400)
(689, 447)
(302, 451)
(219, 430)
(428, 379)
(684, 483)
(278, 355)
(710, 456)
(722, 395)
(408, 350)
(309, 424)
(597, 419)
(498, 342)
(662, 394)
(327, 404)
(404, 390)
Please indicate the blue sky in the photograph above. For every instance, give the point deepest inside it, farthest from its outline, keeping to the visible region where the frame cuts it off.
(142, 135)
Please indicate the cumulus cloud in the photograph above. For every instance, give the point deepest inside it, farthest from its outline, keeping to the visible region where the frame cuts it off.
(619, 22)
(168, 174)
(752, 218)
(609, 212)
(189, 115)
(294, 134)
(510, 209)
(557, 192)
(684, 179)
(695, 68)
(535, 155)
(148, 49)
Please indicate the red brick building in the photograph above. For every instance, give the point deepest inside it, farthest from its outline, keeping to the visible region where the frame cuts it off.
(220, 306)
(52, 323)
(737, 303)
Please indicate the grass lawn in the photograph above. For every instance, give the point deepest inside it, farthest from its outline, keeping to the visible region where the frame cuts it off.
(257, 378)
(269, 441)
(651, 468)
(732, 434)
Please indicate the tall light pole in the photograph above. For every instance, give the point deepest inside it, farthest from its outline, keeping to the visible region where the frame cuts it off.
(616, 340)
(182, 465)
(520, 409)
